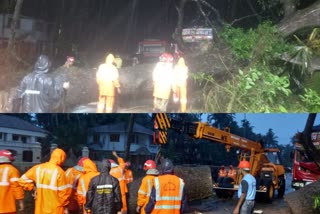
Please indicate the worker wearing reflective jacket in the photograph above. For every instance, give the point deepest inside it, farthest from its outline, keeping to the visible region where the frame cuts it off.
(90, 170)
(38, 92)
(128, 176)
(117, 171)
(146, 185)
(107, 79)
(168, 193)
(162, 82)
(180, 84)
(73, 174)
(52, 192)
(10, 191)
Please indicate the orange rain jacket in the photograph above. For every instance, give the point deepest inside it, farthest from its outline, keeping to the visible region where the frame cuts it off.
(162, 80)
(128, 177)
(51, 184)
(118, 172)
(222, 173)
(10, 191)
(167, 195)
(73, 176)
(232, 173)
(145, 189)
(90, 171)
(108, 77)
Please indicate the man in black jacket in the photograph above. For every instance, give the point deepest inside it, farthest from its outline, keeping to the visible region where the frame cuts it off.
(37, 90)
(103, 196)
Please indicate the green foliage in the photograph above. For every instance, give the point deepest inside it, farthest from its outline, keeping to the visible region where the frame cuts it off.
(262, 45)
(316, 202)
(311, 100)
(262, 91)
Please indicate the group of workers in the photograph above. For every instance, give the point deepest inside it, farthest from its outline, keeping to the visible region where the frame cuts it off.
(223, 173)
(83, 189)
(166, 78)
(42, 91)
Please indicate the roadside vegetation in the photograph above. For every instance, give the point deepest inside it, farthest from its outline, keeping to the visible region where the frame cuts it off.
(272, 74)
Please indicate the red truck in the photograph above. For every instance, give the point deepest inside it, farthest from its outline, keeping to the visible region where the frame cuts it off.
(305, 170)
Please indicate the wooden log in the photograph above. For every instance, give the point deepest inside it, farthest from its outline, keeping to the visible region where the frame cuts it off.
(301, 201)
(198, 184)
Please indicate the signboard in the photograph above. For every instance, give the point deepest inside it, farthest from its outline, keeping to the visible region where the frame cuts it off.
(197, 34)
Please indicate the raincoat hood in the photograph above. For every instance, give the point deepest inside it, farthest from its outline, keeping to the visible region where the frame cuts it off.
(58, 156)
(167, 167)
(89, 166)
(106, 166)
(42, 64)
(109, 59)
(152, 172)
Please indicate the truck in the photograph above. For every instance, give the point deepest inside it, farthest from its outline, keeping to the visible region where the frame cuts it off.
(149, 50)
(304, 169)
(265, 162)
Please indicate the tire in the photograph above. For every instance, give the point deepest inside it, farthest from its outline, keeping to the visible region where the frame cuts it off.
(282, 186)
(267, 196)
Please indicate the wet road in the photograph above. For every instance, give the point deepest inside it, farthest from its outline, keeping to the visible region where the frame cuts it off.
(214, 205)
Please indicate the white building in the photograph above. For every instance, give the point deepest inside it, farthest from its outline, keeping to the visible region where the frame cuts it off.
(102, 140)
(22, 138)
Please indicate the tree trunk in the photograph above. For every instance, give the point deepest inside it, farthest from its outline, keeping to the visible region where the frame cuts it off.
(177, 35)
(308, 17)
(15, 19)
(305, 139)
(128, 143)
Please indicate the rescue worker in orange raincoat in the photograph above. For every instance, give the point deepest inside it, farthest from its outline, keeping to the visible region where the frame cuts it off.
(117, 171)
(146, 185)
(73, 174)
(232, 173)
(10, 191)
(222, 174)
(163, 82)
(128, 176)
(52, 193)
(180, 84)
(168, 193)
(108, 80)
(89, 171)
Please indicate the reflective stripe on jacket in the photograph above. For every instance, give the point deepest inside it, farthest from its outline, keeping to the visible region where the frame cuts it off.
(73, 176)
(90, 171)
(52, 187)
(144, 192)
(118, 172)
(10, 191)
(167, 196)
(128, 177)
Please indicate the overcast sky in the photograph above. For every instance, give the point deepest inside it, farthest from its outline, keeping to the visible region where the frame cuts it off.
(283, 125)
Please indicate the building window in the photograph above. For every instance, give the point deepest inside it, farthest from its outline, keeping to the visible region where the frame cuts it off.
(1, 136)
(27, 156)
(114, 137)
(15, 137)
(24, 139)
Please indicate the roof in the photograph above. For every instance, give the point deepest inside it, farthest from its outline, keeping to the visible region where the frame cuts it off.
(17, 123)
(122, 127)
